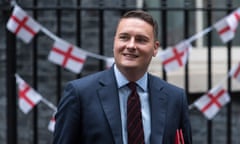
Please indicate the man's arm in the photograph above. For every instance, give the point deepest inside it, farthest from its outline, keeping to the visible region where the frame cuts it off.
(67, 128)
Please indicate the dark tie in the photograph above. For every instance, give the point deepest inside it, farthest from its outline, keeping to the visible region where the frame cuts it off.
(134, 117)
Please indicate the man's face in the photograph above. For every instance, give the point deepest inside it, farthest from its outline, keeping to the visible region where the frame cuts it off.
(134, 44)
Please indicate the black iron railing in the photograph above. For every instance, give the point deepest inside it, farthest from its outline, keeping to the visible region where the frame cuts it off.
(11, 52)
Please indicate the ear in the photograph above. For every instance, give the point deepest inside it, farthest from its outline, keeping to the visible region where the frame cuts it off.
(156, 46)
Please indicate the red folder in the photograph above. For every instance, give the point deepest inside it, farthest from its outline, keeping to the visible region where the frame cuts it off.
(179, 137)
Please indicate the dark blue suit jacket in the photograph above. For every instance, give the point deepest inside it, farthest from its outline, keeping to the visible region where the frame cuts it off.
(89, 111)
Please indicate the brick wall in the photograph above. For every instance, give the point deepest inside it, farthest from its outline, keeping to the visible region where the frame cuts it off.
(2, 83)
(46, 70)
(89, 42)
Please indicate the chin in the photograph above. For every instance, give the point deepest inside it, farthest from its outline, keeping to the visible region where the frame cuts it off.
(129, 66)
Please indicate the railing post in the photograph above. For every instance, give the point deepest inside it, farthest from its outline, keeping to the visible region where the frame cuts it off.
(58, 68)
(209, 65)
(186, 35)
(78, 27)
(11, 85)
(229, 86)
(164, 30)
(35, 78)
(101, 32)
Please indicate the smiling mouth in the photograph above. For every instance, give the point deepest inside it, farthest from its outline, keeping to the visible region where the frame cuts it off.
(130, 55)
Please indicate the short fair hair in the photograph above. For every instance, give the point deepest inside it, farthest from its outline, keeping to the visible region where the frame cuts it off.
(145, 17)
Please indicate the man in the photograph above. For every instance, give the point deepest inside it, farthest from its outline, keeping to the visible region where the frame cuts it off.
(95, 109)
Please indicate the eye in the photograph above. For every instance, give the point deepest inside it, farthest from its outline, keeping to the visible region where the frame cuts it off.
(141, 39)
(124, 37)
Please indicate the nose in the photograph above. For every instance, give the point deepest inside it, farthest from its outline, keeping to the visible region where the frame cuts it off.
(131, 43)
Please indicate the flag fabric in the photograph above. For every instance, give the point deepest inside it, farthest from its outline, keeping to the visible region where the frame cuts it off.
(22, 25)
(233, 19)
(27, 96)
(109, 62)
(175, 57)
(210, 103)
(67, 56)
(51, 125)
(227, 26)
(235, 72)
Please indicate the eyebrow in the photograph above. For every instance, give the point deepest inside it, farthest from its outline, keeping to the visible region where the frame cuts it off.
(138, 35)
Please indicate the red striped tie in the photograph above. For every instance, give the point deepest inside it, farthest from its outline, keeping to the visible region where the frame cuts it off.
(134, 117)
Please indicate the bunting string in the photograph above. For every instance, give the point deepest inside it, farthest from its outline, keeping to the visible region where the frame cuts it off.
(73, 58)
(56, 38)
(199, 34)
(49, 104)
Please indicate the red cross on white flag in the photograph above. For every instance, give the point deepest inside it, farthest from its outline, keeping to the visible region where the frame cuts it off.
(28, 97)
(22, 25)
(233, 19)
(51, 125)
(68, 56)
(235, 72)
(227, 26)
(175, 57)
(210, 103)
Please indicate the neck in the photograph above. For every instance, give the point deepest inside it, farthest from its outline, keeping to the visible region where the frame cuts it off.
(132, 74)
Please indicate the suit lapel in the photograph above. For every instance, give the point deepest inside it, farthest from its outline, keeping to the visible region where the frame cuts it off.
(158, 105)
(108, 95)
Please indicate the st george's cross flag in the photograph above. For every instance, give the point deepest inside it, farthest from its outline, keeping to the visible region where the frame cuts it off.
(210, 103)
(227, 26)
(22, 25)
(27, 96)
(224, 30)
(51, 124)
(233, 19)
(235, 72)
(175, 57)
(67, 56)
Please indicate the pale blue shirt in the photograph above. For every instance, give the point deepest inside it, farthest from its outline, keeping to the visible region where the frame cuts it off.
(124, 92)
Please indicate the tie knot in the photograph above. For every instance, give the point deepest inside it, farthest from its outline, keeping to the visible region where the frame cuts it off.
(132, 86)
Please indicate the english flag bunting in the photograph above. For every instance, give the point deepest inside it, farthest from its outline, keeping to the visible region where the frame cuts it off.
(27, 96)
(175, 57)
(210, 103)
(51, 125)
(67, 56)
(227, 26)
(235, 72)
(233, 19)
(22, 25)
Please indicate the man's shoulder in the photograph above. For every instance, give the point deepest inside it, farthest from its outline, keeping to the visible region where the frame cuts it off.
(92, 78)
(162, 83)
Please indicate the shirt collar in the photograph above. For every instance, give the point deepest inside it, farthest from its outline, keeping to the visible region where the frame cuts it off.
(122, 81)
